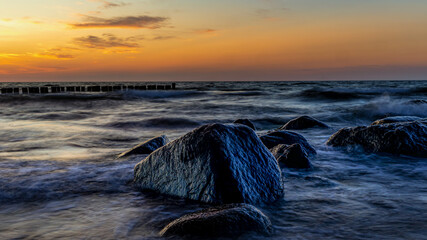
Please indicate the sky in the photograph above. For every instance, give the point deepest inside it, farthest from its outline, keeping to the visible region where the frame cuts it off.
(201, 40)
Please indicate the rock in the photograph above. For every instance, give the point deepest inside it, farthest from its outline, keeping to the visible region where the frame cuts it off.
(408, 138)
(246, 122)
(273, 139)
(229, 220)
(214, 163)
(291, 156)
(303, 122)
(396, 119)
(418, 101)
(146, 147)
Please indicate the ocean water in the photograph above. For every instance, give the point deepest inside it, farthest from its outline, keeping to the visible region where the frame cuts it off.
(60, 179)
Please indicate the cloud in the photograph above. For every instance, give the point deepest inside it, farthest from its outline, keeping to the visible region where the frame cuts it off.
(31, 20)
(64, 53)
(55, 53)
(113, 4)
(107, 41)
(206, 31)
(15, 69)
(121, 22)
(9, 55)
(21, 20)
(110, 4)
(163, 38)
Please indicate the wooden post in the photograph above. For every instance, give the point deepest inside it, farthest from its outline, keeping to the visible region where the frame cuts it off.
(44, 90)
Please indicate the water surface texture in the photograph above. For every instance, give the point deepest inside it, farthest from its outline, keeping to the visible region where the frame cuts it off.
(59, 177)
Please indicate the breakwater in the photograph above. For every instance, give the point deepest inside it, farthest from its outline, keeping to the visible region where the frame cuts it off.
(85, 88)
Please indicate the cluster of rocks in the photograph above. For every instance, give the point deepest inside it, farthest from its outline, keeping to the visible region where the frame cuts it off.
(404, 135)
(227, 165)
(230, 166)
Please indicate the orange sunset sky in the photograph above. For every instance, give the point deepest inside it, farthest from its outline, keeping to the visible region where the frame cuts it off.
(173, 40)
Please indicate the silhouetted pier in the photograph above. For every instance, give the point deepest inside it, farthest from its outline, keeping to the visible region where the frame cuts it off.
(84, 88)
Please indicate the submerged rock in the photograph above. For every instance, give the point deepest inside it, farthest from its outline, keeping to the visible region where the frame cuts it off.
(214, 163)
(291, 156)
(146, 147)
(418, 101)
(273, 139)
(303, 122)
(229, 220)
(396, 119)
(408, 138)
(246, 122)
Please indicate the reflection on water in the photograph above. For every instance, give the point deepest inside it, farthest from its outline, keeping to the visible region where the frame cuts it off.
(59, 177)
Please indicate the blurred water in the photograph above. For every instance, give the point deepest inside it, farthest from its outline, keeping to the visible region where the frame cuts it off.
(59, 177)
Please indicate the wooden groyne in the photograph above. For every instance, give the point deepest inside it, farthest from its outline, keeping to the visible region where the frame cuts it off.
(84, 88)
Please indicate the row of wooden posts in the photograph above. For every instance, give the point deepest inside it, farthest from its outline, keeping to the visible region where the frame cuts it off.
(91, 88)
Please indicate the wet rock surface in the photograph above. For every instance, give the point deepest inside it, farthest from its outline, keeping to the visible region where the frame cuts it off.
(273, 139)
(146, 147)
(246, 122)
(303, 122)
(291, 156)
(229, 220)
(407, 138)
(214, 163)
(396, 119)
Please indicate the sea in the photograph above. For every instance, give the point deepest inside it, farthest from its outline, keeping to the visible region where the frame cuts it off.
(60, 177)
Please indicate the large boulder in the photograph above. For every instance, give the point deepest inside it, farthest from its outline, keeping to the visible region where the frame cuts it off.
(146, 147)
(396, 119)
(214, 163)
(275, 138)
(229, 220)
(246, 122)
(303, 122)
(291, 156)
(407, 138)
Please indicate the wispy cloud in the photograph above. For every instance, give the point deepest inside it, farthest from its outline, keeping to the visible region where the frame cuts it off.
(207, 31)
(111, 4)
(32, 20)
(121, 22)
(6, 69)
(53, 53)
(163, 38)
(57, 53)
(22, 20)
(107, 41)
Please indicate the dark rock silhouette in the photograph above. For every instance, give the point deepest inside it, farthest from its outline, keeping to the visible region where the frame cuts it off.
(408, 138)
(229, 220)
(214, 163)
(147, 147)
(246, 122)
(273, 139)
(396, 119)
(291, 156)
(418, 101)
(303, 122)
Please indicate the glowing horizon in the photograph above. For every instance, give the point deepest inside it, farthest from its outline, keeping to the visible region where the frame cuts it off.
(95, 40)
